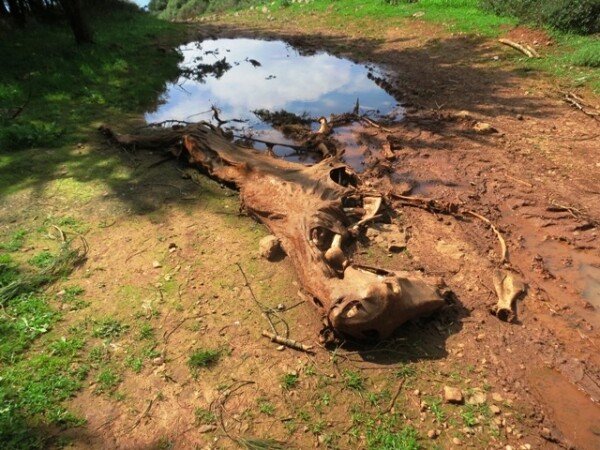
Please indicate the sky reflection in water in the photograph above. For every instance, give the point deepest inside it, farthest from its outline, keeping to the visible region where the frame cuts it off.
(319, 84)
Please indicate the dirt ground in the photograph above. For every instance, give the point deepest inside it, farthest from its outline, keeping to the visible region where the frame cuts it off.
(167, 251)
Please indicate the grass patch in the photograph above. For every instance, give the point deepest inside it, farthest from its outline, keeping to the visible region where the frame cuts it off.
(16, 241)
(204, 358)
(109, 329)
(107, 381)
(353, 380)
(289, 381)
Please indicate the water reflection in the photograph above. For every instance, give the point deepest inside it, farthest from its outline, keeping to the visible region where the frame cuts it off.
(242, 75)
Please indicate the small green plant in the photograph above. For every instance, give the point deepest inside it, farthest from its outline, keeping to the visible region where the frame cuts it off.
(406, 371)
(435, 406)
(265, 406)
(204, 416)
(42, 260)
(353, 380)
(468, 416)
(136, 364)
(204, 358)
(146, 332)
(107, 381)
(109, 329)
(71, 295)
(16, 241)
(289, 381)
(310, 370)
(66, 347)
(318, 426)
(99, 355)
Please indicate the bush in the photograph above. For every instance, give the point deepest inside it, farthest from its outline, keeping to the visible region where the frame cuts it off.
(579, 16)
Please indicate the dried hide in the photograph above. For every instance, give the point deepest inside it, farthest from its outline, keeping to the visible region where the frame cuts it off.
(317, 211)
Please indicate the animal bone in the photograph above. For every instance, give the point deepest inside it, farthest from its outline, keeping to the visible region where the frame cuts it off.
(509, 287)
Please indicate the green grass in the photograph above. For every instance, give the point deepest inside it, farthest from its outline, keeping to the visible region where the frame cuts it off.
(204, 358)
(107, 381)
(16, 241)
(109, 328)
(353, 380)
(34, 383)
(289, 381)
(65, 91)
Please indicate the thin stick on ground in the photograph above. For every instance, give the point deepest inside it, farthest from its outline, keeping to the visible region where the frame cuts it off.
(395, 397)
(288, 342)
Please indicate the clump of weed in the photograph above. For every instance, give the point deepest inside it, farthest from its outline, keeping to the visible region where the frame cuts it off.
(265, 406)
(42, 260)
(146, 332)
(289, 381)
(204, 416)
(107, 381)
(353, 380)
(109, 329)
(204, 358)
(16, 241)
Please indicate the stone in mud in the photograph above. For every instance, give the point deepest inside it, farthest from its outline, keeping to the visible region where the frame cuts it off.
(269, 247)
(452, 395)
(484, 128)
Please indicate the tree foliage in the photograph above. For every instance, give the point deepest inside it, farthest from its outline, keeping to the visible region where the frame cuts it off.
(20, 12)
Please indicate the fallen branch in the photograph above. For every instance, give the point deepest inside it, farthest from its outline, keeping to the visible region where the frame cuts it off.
(525, 49)
(576, 101)
(504, 250)
(288, 342)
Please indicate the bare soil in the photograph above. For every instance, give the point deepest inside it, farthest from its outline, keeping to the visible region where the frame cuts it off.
(537, 178)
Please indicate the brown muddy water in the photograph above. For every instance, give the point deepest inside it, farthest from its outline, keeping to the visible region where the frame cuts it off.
(240, 76)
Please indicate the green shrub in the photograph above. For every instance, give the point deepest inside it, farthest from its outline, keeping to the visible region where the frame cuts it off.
(579, 16)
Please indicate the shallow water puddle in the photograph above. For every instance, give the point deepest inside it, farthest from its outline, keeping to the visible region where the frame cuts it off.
(239, 76)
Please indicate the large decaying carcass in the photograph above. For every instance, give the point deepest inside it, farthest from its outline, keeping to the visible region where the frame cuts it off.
(317, 211)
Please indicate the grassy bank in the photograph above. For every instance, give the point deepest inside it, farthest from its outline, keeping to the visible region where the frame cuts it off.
(53, 94)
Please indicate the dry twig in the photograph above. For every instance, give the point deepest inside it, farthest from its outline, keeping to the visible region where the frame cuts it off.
(288, 342)
(523, 48)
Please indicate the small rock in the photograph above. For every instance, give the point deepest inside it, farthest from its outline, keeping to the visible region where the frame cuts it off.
(484, 128)
(497, 397)
(520, 117)
(546, 434)
(463, 114)
(478, 398)
(159, 361)
(431, 434)
(156, 264)
(508, 447)
(494, 409)
(416, 392)
(452, 395)
(280, 348)
(269, 247)
(207, 428)
(456, 441)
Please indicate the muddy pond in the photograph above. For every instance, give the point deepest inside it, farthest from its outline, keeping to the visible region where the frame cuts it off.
(241, 76)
